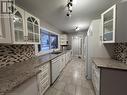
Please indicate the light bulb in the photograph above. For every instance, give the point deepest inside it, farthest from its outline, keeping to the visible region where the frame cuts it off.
(77, 29)
(70, 8)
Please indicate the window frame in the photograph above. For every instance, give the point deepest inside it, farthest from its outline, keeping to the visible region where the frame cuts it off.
(38, 53)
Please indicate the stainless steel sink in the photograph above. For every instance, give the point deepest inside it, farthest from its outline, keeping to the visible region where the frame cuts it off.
(56, 52)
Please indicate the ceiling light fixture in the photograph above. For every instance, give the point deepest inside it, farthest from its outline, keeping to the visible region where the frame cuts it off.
(69, 8)
(77, 28)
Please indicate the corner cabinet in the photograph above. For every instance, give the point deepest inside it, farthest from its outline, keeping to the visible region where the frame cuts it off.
(114, 24)
(19, 27)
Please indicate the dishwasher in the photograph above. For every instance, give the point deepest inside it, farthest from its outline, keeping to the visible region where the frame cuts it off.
(55, 68)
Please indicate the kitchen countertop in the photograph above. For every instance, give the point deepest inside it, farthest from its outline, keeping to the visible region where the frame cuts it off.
(109, 63)
(14, 75)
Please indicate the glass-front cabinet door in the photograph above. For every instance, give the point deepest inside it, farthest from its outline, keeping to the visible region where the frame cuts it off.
(108, 25)
(32, 29)
(18, 27)
(5, 34)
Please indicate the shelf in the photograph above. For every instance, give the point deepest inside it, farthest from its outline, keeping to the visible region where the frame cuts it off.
(109, 21)
(108, 32)
(18, 29)
(34, 33)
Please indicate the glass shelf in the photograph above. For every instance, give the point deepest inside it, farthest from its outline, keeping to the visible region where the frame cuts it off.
(109, 21)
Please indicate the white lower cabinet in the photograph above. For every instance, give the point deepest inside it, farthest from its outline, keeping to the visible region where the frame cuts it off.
(63, 61)
(56, 67)
(96, 78)
(68, 56)
(28, 88)
(44, 78)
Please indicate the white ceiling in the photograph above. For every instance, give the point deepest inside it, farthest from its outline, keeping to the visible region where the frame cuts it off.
(54, 12)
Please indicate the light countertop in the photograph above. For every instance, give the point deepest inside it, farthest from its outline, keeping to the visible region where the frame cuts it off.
(109, 63)
(14, 75)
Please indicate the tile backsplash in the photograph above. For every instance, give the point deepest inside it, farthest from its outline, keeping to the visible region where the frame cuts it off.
(10, 54)
(120, 52)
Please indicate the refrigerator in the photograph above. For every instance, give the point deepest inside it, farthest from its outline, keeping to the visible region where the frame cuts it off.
(93, 46)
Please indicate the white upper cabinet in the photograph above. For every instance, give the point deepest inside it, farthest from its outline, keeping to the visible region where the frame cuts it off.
(114, 29)
(63, 39)
(32, 28)
(19, 27)
(108, 25)
(4, 29)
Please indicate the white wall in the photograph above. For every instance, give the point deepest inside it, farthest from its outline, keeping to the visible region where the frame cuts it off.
(96, 47)
(50, 27)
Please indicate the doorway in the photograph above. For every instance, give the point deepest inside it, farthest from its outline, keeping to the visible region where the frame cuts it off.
(77, 46)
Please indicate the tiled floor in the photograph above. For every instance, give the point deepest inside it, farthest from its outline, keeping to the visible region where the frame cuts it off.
(72, 81)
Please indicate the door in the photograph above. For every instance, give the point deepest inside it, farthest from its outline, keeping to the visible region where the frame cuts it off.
(77, 46)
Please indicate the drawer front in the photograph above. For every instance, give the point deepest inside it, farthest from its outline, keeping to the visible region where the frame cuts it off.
(96, 78)
(42, 82)
(45, 66)
(43, 87)
(44, 78)
(56, 60)
(43, 75)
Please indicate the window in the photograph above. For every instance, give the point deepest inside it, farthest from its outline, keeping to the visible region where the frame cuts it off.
(48, 41)
(54, 41)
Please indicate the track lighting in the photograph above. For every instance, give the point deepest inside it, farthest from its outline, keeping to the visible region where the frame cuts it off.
(77, 28)
(69, 7)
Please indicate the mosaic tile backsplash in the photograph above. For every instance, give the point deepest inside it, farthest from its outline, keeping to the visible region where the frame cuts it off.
(10, 54)
(120, 52)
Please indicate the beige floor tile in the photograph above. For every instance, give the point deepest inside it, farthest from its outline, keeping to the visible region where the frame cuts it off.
(59, 85)
(70, 88)
(51, 91)
(82, 91)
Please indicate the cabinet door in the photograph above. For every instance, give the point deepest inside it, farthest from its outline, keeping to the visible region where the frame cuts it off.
(108, 25)
(96, 78)
(32, 29)
(63, 40)
(44, 78)
(17, 26)
(5, 35)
